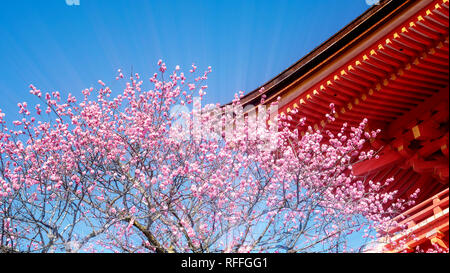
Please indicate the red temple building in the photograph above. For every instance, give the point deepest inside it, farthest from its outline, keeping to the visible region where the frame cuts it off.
(390, 65)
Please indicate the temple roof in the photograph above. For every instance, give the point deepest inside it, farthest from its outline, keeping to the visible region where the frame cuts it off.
(355, 31)
(391, 66)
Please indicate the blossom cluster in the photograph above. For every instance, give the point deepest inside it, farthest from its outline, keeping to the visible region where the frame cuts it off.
(120, 172)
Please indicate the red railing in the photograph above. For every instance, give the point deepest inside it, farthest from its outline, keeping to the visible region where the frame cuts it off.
(427, 223)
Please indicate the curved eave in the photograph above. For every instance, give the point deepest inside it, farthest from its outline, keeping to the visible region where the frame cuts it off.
(351, 34)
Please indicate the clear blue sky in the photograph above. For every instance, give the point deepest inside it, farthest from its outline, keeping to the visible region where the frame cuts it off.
(68, 48)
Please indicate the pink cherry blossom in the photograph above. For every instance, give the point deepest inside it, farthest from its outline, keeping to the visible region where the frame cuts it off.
(123, 173)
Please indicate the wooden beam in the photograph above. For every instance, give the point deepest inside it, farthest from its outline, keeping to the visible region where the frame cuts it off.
(438, 241)
(402, 146)
(372, 165)
(422, 166)
(414, 114)
(442, 174)
(426, 131)
(432, 146)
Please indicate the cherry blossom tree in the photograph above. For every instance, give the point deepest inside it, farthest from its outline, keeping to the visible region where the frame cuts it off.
(129, 173)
